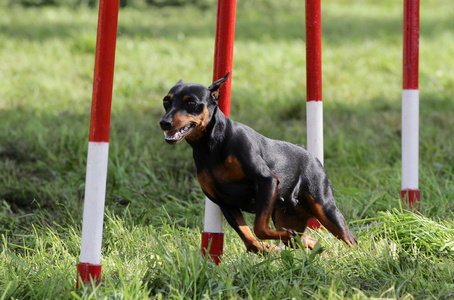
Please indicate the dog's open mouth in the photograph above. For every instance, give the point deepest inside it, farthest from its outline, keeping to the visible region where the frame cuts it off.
(175, 136)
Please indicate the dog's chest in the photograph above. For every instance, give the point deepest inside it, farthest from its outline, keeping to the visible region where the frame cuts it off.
(225, 183)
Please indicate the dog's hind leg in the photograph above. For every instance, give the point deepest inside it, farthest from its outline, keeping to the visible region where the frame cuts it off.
(329, 216)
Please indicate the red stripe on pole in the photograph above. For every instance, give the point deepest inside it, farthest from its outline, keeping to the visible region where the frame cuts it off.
(223, 51)
(411, 44)
(104, 70)
(87, 272)
(411, 196)
(213, 242)
(314, 50)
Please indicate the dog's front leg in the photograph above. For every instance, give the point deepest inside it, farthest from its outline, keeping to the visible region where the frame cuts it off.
(236, 220)
(266, 194)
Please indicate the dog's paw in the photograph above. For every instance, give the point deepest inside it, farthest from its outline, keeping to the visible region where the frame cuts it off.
(292, 232)
(308, 242)
(267, 248)
(263, 247)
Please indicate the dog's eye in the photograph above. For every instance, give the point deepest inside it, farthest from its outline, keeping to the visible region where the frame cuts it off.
(190, 104)
(166, 102)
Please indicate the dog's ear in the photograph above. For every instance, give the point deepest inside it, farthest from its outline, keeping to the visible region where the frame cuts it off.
(180, 81)
(215, 86)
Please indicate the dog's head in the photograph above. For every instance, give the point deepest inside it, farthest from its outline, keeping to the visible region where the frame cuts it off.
(189, 108)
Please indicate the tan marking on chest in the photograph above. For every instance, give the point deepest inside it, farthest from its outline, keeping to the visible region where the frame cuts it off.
(229, 170)
(206, 182)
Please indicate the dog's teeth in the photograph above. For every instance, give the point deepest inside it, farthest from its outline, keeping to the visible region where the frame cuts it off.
(185, 128)
(177, 134)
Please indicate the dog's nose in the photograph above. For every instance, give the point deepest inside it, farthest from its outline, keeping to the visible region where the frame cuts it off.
(165, 124)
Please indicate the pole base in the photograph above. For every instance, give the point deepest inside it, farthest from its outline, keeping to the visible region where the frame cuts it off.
(87, 272)
(411, 197)
(213, 242)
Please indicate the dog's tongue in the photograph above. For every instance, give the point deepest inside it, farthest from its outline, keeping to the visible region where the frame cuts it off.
(172, 134)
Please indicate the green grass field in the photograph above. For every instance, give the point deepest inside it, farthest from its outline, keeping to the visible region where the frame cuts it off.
(154, 205)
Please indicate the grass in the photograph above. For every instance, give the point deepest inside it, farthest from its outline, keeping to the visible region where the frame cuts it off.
(415, 233)
(154, 206)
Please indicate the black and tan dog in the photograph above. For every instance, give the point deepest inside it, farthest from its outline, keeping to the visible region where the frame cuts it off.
(241, 170)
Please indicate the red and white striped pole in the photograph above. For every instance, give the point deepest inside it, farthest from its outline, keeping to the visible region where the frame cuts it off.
(212, 235)
(89, 266)
(314, 104)
(410, 104)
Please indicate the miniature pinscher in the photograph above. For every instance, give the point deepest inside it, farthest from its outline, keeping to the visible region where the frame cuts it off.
(241, 170)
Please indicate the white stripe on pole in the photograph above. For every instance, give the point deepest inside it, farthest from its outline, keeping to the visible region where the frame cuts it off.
(410, 138)
(213, 217)
(314, 121)
(95, 191)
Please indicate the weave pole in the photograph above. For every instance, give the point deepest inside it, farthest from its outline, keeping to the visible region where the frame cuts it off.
(89, 266)
(314, 104)
(212, 235)
(410, 104)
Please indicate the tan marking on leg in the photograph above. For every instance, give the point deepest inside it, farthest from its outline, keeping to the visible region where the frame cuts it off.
(317, 210)
(251, 243)
(262, 221)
